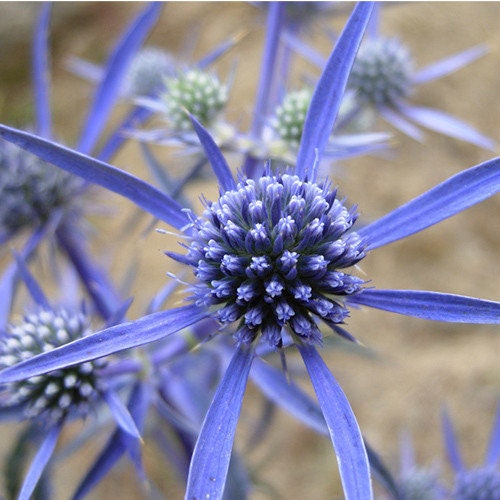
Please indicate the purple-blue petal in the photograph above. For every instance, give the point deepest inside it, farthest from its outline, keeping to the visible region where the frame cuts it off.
(108, 91)
(33, 287)
(111, 340)
(443, 123)
(41, 79)
(9, 278)
(448, 65)
(134, 119)
(327, 97)
(136, 190)
(121, 414)
(41, 459)
(210, 460)
(119, 443)
(215, 157)
(450, 442)
(444, 200)
(344, 430)
(398, 122)
(267, 78)
(431, 305)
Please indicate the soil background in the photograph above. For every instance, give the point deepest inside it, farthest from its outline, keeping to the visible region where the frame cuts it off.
(415, 367)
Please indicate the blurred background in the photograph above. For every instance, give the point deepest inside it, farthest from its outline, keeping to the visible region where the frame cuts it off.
(413, 367)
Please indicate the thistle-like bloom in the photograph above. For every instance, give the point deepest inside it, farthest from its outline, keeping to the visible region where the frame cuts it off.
(52, 396)
(31, 190)
(479, 482)
(384, 78)
(50, 400)
(237, 241)
(268, 254)
(198, 92)
(147, 72)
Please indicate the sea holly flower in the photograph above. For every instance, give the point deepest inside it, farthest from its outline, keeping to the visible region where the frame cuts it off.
(31, 191)
(482, 481)
(384, 79)
(231, 265)
(51, 400)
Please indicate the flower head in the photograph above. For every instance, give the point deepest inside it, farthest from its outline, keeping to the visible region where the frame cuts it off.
(30, 189)
(55, 394)
(197, 91)
(147, 72)
(382, 72)
(269, 254)
(477, 484)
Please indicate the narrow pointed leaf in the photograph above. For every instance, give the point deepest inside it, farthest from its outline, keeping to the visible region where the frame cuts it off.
(344, 431)
(40, 461)
(431, 305)
(325, 102)
(449, 65)
(215, 157)
(136, 190)
(443, 123)
(114, 339)
(121, 414)
(41, 77)
(210, 461)
(444, 200)
(115, 71)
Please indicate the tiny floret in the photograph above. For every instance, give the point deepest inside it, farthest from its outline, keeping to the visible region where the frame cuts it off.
(54, 394)
(268, 254)
(382, 72)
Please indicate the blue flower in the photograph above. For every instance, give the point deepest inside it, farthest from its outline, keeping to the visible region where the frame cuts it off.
(275, 284)
(50, 400)
(384, 78)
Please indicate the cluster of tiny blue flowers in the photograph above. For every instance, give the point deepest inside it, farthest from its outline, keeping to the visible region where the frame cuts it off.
(30, 189)
(382, 72)
(53, 395)
(477, 484)
(196, 91)
(268, 254)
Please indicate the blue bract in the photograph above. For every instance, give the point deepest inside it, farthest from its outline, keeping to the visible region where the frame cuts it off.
(268, 254)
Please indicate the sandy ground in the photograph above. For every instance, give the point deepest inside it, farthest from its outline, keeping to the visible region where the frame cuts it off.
(418, 366)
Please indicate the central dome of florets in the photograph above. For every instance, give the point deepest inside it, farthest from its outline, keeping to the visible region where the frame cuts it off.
(382, 72)
(268, 254)
(56, 393)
